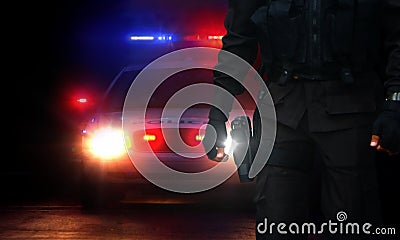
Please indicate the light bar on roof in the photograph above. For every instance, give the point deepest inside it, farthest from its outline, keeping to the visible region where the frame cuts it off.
(152, 38)
(198, 37)
(142, 38)
(169, 38)
(164, 38)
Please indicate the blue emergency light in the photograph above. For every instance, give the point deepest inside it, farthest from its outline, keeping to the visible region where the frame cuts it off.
(164, 38)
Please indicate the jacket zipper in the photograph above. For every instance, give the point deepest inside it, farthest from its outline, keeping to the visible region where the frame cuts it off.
(314, 36)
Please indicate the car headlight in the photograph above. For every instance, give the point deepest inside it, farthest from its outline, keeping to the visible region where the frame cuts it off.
(107, 143)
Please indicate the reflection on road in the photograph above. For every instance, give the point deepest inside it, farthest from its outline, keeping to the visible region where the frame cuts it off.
(152, 213)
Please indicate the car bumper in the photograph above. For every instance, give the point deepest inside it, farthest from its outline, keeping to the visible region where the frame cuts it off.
(124, 171)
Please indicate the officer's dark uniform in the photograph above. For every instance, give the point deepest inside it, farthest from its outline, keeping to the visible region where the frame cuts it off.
(324, 62)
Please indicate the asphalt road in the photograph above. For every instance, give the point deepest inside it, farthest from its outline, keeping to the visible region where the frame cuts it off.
(45, 205)
(138, 221)
(153, 215)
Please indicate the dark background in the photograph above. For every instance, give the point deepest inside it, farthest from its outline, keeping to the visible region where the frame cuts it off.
(58, 50)
(55, 50)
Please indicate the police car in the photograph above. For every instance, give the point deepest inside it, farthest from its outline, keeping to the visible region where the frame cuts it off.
(123, 138)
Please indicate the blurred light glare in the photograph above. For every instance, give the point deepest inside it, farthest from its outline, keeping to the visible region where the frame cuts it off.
(142, 38)
(166, 37)
(214, 37)
(149, 137)
(108, 143)
(228, 145)
(82, 100)
(199, 137)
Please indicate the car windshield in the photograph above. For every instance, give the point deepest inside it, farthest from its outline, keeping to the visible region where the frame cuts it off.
(116, 93)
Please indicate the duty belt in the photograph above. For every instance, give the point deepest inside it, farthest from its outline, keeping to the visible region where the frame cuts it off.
(287, 75)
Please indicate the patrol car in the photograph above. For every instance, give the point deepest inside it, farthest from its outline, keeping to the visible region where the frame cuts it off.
(110, 153)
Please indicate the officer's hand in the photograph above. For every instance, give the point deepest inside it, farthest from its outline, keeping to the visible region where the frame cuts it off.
(386, 132)
(221, 155)
(375, 142)
(214, 141)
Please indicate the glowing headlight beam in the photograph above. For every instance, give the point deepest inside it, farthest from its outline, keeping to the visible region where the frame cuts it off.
(108, 143)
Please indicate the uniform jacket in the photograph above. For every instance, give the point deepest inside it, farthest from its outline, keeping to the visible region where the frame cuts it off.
(329, 104)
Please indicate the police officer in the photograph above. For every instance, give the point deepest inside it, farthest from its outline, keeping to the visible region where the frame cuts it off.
(332, 68)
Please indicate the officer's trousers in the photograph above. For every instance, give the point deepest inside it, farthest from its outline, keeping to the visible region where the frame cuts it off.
(332, 171)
